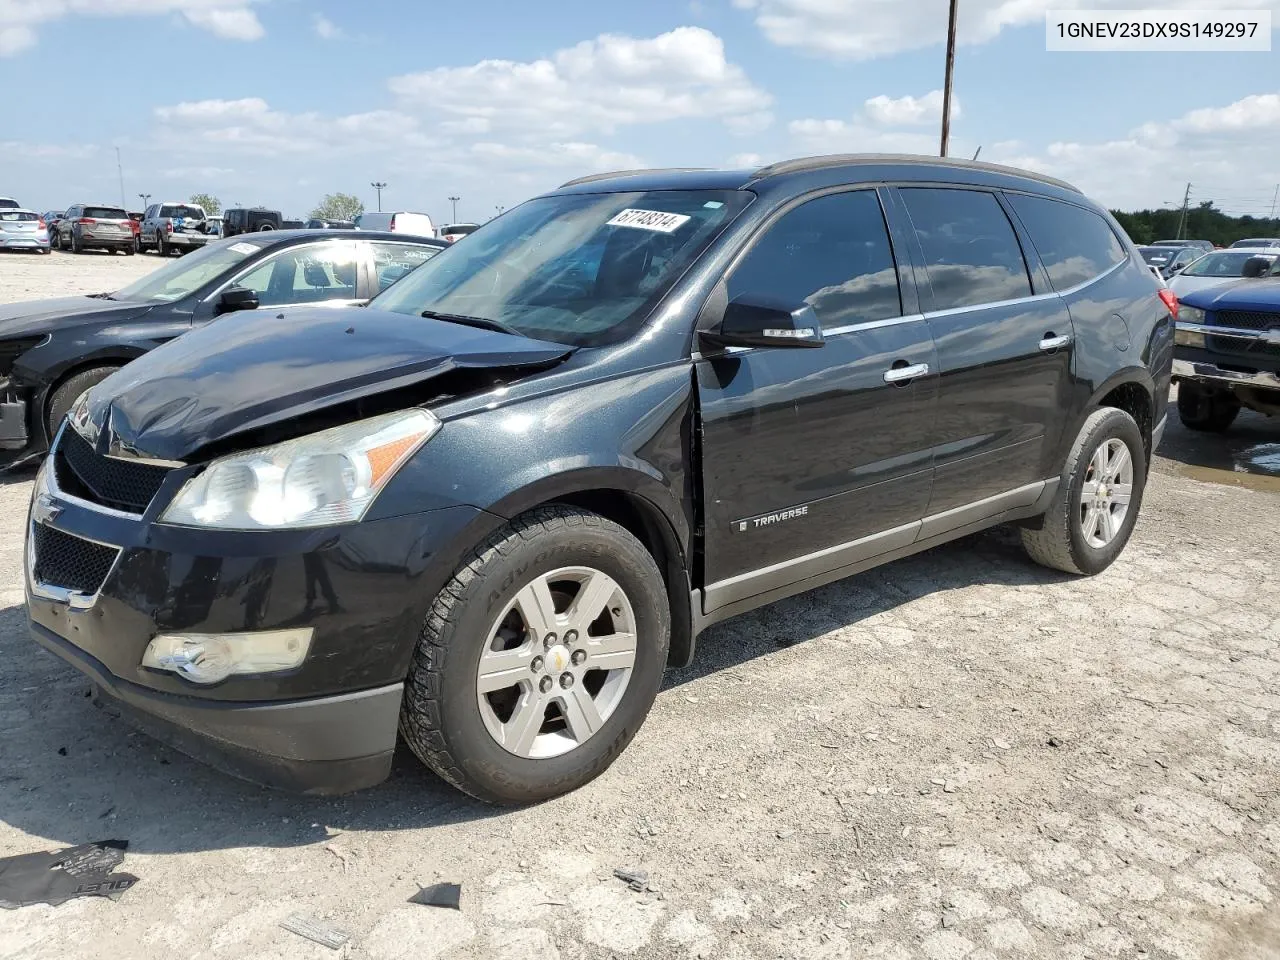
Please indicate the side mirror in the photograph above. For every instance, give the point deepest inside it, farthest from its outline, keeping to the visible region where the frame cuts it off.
(764, 323)
(237, 298)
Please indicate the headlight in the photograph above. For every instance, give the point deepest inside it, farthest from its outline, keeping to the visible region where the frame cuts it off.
(1188, 314)
(314, 481)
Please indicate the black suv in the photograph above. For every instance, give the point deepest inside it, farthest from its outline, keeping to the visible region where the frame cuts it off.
(490, 508)
(239, 220)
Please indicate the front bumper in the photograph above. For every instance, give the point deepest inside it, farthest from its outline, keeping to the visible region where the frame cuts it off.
(326, 727)
(1212, 373)
(324, 745)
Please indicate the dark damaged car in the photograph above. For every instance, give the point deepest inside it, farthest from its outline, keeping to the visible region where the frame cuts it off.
(489, 509)
(51, 351)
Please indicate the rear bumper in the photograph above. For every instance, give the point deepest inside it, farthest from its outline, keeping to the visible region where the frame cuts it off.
(24, 243)
(323, 745)
(186, 239)
(1212, 373)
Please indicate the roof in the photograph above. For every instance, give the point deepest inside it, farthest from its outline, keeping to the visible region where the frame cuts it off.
(698, 178)
(280, 236)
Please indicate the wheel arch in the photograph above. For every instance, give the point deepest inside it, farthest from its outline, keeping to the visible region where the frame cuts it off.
(117, 358)
(639, 503)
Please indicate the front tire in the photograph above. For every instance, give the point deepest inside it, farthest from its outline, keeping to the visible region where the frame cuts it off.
(69, 391)
(76, 245)
(1096, 505)
(540, 659)
(1204, 410)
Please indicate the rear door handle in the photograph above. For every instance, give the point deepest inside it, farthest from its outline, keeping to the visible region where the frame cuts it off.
(1050, 342)
(900, 374)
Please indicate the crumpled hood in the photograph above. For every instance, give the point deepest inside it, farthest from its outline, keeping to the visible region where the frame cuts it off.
(45, 316)
(251, 369)
(1262, 295)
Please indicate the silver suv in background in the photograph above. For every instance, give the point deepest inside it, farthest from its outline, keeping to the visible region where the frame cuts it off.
(172, 226)
(87, 226)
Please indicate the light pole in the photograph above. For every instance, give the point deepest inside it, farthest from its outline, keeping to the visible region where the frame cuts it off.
(144, 197)
(120, 172)
(951, 67)
(454, 201)
(379, 185)
(499, 207)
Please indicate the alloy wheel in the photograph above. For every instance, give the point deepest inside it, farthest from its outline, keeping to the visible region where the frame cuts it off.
(557, 662)
(1106, 492)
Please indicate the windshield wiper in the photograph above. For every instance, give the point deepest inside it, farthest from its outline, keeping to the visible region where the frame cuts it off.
(100, 296)
(483, 323)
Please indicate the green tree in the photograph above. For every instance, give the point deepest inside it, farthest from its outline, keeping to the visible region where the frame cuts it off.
(1204, 222)
(211, 204)
(338, 206)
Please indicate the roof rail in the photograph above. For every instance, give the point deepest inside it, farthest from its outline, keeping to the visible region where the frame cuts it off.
(848, 159)
(591, 178)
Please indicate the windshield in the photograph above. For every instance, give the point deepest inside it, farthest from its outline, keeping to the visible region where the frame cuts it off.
(1224, 264)
(459, 228)
(1158, 254)
(582, 269)
(105, 213)
(182, 277)
(14, 215)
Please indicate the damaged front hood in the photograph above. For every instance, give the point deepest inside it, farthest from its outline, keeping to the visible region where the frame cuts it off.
(252, 369)
(44, 316)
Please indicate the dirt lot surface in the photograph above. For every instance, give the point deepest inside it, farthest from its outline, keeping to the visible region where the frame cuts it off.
(959, 755)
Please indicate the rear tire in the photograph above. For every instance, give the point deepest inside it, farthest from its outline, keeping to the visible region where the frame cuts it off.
(1066, 540)
(446, 718)
(1204, 410)
(162, 248)
(69, 391)
(127, 251)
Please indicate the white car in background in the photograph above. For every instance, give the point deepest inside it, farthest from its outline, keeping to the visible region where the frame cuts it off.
(453, 232)
(23, 230)
(402, 221)
(1224, 266)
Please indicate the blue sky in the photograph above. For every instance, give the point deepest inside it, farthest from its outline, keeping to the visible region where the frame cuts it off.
(281, 101)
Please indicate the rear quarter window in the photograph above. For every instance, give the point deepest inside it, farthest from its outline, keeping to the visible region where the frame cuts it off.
(1075, 245)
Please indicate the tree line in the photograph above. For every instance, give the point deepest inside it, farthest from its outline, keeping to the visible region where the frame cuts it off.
(1204, 222)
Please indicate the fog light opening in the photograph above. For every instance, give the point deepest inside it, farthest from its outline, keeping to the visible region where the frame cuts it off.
(204, 658)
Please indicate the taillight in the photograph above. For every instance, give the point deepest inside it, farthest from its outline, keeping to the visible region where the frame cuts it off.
(86, 220)
(1170, 300)
(41, 225)
(168, 227)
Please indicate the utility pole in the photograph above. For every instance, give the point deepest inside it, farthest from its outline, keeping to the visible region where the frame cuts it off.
(1182, 220)
(951, 69)
(1274, 197)
(976, 152)
(454, 201)
(379, 185)
(120, 171)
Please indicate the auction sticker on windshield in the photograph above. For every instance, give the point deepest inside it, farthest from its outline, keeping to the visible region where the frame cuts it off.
(245, 248)
(649, 220)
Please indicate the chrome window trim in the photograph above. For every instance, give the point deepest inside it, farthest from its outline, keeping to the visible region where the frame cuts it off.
(872, 324)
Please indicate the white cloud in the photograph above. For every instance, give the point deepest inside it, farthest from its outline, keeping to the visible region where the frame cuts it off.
(867, 29)
(325, 28)
(230, 19)
(598, 85)
(909, 110)
(1228, 153)
(745, 161)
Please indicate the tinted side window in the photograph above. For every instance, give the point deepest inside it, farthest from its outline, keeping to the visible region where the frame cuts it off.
(393, 260)
(1075, 244)
(832, 253)
(970, 249)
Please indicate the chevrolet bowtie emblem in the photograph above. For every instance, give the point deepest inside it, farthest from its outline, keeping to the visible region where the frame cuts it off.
(44, 510)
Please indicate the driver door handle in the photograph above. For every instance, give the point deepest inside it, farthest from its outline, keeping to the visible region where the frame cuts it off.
(1050, 342)
(900, 374)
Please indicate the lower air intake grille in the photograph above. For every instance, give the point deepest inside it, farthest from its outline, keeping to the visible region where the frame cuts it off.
(63, 560)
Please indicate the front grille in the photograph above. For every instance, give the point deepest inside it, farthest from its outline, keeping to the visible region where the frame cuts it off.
(63, 560)
(1244, 320)
(1247, 319)
(120, 484)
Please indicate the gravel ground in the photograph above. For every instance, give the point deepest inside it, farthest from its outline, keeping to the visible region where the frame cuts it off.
(959, 755)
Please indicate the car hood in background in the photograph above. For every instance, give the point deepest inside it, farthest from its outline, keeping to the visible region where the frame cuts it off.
(252, 369)
(1183, 285)
(45, 316)
(1262, 295)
